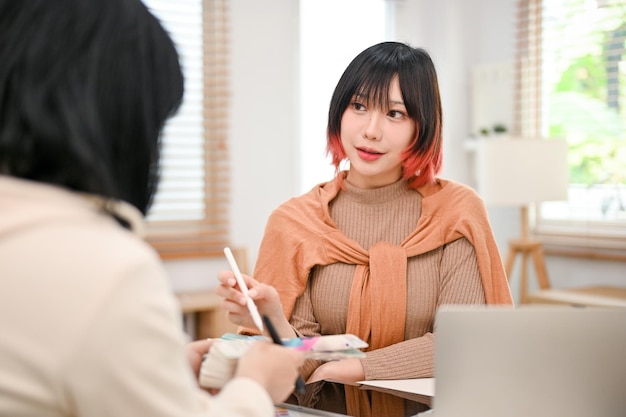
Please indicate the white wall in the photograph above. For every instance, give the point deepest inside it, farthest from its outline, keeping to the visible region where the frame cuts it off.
(264, 115)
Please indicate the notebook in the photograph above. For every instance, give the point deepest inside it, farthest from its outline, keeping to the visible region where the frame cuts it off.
(532, 361)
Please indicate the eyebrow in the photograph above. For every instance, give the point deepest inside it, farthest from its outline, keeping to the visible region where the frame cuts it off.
(361, 96)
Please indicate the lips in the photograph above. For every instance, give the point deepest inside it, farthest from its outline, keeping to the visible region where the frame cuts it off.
(367, 154)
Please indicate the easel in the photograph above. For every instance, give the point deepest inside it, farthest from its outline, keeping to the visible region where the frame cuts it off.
(527, 247)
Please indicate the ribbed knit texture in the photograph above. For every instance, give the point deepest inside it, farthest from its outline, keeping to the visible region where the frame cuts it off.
(446, 275)
(395, 289)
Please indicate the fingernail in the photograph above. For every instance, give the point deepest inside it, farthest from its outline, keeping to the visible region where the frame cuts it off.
(252, 293)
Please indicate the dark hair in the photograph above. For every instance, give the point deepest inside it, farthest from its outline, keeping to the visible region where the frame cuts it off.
(370, 75)
(85, 89)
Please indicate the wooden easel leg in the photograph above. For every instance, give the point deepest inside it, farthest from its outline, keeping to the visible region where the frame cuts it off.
(524, 278)
(540, 268)
(510, 261)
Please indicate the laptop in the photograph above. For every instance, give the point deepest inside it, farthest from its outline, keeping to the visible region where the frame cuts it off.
(531, 361)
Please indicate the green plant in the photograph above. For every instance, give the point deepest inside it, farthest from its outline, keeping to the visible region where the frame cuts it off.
(499, 128)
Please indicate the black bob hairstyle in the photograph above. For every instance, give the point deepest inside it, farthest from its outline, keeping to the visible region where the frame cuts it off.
(85, 89)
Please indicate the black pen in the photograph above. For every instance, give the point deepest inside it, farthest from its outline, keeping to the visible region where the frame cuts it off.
(300, 385)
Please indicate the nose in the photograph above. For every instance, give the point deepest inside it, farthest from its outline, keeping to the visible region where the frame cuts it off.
(373, 126)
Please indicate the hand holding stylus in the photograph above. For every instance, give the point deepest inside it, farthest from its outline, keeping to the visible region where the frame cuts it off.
(254, 312)
(243, 295)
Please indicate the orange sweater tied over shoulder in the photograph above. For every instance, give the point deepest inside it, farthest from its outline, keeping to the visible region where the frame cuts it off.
(302, 234)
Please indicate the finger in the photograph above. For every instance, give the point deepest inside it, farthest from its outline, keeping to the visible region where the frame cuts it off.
(223, 291)
(233, 318)
(261, 292)
(201, 346)
(266, 297)
(240, 320)
(231, 294)
(235, 308)
(227, 278)
(250, 281)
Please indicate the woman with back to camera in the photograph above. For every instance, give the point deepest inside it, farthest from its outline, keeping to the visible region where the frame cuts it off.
(376, 250)
(90, 326)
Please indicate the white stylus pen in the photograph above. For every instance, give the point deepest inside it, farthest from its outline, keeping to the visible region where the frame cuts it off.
(244, 289)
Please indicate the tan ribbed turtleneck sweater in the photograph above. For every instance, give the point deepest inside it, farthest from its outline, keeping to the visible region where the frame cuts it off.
(377, 263)
(445, 275)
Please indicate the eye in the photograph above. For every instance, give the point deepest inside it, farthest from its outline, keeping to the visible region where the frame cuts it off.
(396, 114)
(357, 106)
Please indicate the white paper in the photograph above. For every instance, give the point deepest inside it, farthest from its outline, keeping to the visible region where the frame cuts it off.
(419, 386)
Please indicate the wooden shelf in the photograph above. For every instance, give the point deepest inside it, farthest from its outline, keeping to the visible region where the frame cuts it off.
(203, 309)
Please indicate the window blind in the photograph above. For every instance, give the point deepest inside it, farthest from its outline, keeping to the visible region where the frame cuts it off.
(189, 215)
(527, 103)
(570, 83)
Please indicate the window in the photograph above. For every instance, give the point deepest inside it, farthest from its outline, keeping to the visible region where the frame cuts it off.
(189, 215)
(571, 83)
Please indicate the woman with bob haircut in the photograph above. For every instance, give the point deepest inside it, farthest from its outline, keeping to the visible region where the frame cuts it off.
(375, 251)
(90, 326)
